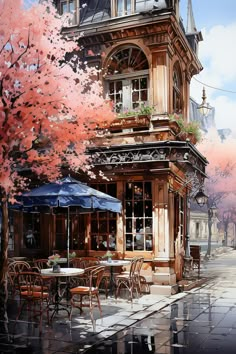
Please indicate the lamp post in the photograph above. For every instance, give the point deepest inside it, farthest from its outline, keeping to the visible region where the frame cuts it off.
(211, 214)
(226, 220)
(204, 108)
(201, 199)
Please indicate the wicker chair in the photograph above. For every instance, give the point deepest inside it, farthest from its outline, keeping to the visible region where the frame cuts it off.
(14, 267)
(32, 293)
(127, 280)
(90, 291)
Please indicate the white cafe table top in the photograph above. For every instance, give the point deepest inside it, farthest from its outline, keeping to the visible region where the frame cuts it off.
(115, 263)
(64, 272)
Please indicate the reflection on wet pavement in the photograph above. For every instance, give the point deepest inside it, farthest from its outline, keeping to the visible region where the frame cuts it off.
(191, 325)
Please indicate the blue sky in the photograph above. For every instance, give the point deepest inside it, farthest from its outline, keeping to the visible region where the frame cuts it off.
(216, 19)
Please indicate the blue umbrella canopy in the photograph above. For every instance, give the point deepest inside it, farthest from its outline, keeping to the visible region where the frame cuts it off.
(70, 192)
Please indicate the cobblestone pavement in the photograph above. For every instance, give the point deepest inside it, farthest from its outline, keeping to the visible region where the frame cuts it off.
(202, 320)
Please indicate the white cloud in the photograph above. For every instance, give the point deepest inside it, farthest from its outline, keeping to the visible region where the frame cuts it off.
(217, 54)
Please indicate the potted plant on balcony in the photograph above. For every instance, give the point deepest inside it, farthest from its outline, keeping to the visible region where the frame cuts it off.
(193, 131)
(188, 130)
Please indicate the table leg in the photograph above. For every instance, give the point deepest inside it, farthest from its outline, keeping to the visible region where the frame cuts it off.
(112, 281)
(57, 305)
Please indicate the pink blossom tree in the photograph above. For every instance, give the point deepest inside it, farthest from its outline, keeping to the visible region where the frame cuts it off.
(49, 106)
(221, 171)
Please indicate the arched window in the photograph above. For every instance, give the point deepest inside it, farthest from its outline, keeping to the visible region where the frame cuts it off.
(177, 92)
(127, 79)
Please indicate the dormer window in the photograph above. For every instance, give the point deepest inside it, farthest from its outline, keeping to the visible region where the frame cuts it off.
(69, 6)
(125, 7)
(129, 7)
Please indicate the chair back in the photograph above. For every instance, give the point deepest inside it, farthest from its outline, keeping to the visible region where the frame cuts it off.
(95, 277)
(76, 262)
(14, 268)
(139, 264)
(132, 268)
(41, 263)
(30, 284)
(84, 262)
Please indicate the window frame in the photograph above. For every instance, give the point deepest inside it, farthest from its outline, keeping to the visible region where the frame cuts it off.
(177, 92)
(137, 221)
(106, 220)
(127, 90)
(75, 20)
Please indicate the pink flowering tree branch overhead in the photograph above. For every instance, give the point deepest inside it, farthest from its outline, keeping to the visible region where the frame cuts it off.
(50, 105)
(221, 170)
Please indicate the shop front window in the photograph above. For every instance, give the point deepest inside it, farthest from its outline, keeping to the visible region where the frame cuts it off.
(103, 224)
(138, 202)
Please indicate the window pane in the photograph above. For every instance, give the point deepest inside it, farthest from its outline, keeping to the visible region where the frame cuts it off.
(94, 243)
(129, 191)
(139, 216)
(138, 208)
(129, 243)
(148, 208)
(140, 92)
(129, 225)
(129, 209)
(103, 224)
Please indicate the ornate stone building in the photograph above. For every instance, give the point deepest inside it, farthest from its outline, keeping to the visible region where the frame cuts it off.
(145, 61)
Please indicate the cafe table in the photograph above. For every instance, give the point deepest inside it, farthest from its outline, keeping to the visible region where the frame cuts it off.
(112, 264)
(57, 298)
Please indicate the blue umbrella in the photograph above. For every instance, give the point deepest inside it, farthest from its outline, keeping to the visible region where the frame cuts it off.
(70, 192)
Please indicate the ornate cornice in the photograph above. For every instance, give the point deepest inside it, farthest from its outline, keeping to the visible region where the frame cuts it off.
(180, 153)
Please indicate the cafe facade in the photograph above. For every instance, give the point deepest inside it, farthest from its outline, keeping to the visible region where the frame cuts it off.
(145, 61)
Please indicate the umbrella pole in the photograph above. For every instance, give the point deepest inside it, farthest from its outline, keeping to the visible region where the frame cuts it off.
(68, 235)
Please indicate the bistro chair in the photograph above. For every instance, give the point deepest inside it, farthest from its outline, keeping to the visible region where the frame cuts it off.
(88, 295)
(39, 264)
(13, 269)
(32, 293)
(127, 280)
(138, 279)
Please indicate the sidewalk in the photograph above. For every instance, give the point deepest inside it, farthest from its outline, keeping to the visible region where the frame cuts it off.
(119, 317)
(201, 322)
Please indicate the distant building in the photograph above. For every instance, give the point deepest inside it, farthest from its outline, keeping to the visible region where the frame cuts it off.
(224, 133)
(199, 226)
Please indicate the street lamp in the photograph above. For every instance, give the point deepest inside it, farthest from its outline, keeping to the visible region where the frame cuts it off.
(201, 198)
(204, 108)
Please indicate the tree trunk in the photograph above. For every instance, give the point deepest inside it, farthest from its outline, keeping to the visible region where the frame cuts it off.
(226, 223)
(3, 267)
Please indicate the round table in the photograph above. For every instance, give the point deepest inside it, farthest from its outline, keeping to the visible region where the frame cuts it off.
(64, 272)
(112, 264)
